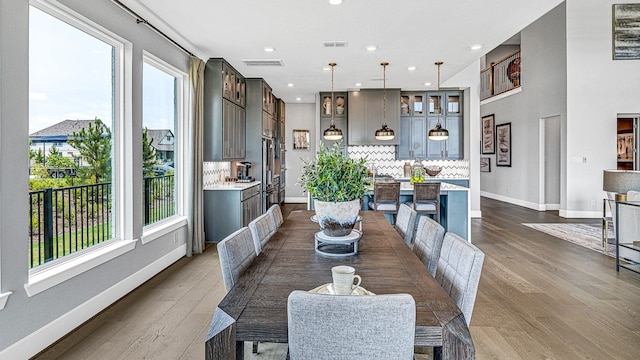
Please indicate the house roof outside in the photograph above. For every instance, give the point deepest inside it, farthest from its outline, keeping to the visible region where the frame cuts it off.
(60, 132)
(160, 141)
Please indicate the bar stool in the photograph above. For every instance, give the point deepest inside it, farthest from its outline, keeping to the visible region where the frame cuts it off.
(386, 198)
(426, 199)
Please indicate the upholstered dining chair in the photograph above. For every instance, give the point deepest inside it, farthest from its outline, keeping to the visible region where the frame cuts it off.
(428, 243)
(386, 197)
(426, 198)
(328, 327)
(276, 215)
(236, 252)
(406, 223)
(458, 271)
(262, 229)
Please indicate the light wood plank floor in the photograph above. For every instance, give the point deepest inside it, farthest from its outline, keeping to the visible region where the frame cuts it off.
(539, 298)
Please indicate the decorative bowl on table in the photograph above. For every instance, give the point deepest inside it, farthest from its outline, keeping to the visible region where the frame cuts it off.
(433, 170)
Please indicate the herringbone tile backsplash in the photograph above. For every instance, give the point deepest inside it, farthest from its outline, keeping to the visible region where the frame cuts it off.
(384, 159)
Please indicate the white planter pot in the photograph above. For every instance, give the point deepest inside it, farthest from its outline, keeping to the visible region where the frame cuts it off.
(337, 218)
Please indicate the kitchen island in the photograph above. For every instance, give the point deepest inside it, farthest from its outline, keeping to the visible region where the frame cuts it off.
(228, 206)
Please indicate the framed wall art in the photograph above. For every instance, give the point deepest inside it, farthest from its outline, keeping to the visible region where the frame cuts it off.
(300, 139)
(626, 32)
(488, 135)
(503, 142)
(485, 164)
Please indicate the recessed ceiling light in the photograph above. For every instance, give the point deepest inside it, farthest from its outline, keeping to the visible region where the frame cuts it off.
(334, 2)
(372, 47)
(298, 99)
(269, 49)
(358, 84)
(427, 84)
(475, 47)
(411, 68)
(290, 84)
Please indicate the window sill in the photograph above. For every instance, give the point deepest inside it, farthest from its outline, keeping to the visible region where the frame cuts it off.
(46, 279)
(157, 230)
(3, 299)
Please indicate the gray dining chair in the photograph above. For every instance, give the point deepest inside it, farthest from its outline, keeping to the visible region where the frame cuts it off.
(276, 215)
(262, 229)
(329, 327)
(406, 223)
(428, 243)
(236, 252)
(458, 272)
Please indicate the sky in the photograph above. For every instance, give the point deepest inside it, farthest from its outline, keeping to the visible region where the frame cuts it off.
(70, 77)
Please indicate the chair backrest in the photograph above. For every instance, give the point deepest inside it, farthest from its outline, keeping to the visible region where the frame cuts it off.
(458, 272)
(428, 243)
(406, 223)
(276, 215)
(236, 253)
(262, 229)
(426, 192)
(386, 196)
(323, 326)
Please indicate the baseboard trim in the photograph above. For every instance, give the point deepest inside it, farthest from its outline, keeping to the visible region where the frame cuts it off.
(40, 339)
(476, 214)
(574, 214)
(510, 200)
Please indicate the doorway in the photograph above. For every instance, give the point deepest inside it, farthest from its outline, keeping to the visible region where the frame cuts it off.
(550, 162)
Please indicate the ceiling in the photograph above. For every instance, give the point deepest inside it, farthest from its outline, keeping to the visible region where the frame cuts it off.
(406, 32)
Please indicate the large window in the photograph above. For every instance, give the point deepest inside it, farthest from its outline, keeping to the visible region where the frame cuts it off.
(72, 90)
(160, 88)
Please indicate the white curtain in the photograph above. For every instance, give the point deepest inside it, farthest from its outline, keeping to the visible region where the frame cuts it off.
(195, 242)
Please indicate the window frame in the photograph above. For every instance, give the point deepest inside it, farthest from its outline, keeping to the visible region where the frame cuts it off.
(57, 271)
(156, 230)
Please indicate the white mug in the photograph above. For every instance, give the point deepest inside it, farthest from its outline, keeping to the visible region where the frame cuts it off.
(343, 279)
(340, 110)
(327, 107)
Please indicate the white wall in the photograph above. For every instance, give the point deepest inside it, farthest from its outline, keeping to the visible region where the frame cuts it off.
(299, 116)
(30, 323)
(598, 88)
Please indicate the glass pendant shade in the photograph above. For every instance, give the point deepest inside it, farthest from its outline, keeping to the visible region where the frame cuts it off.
(385, 132)
(438, 132)
(332, 133)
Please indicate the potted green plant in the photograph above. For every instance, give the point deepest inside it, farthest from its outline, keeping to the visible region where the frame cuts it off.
(336, 183)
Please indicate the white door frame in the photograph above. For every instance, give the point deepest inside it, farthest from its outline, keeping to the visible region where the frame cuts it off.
(542, 199)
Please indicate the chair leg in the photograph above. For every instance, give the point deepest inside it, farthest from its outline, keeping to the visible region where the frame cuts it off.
(255, 347)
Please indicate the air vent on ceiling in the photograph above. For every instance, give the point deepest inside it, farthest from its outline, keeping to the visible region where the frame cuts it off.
(263, 62)
(335, 44)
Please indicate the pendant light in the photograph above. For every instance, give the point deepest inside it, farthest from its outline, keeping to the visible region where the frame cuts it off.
(385, 132)
(438, 132)
(332, 133)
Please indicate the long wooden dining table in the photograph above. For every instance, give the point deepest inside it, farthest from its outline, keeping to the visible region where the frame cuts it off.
(255, 309)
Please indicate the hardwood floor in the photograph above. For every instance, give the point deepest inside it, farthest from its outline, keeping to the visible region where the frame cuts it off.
(539, 297)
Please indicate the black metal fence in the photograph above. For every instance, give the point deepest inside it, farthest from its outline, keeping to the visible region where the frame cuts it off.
(66, 220)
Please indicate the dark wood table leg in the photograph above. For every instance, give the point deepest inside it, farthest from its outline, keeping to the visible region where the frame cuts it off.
(437, 353)
(239, 350)
(456, 340)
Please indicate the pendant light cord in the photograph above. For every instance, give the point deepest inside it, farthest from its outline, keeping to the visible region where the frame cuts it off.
(439, 98)
(333, 123)
(384, 94)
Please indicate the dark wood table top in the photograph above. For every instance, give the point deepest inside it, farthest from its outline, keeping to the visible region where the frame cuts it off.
(255, 309)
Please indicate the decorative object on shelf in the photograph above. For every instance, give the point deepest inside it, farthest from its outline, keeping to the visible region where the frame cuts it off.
(407, 169)
(385, 132)
(438, 132)
(620, 182)
(488, 135)
(433, 170)
(503, 140)
(336, 183)
(300, 139)
(626, 34)
(418, 172)
(485, 164)
(332, 133)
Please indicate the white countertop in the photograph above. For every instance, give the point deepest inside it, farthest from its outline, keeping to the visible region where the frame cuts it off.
(232, 186)
(406, 186)
(432, 178)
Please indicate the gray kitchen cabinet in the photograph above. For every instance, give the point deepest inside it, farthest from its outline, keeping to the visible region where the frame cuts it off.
(413, 126)
(366, 108)
(450, 102)
(338, 108)
(227, 210)
(224, 114)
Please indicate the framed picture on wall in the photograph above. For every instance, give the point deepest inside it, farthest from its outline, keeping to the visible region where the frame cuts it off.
(485, 164)
(503, 142)
(300, 139)
(488, 136)
(626, 32)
